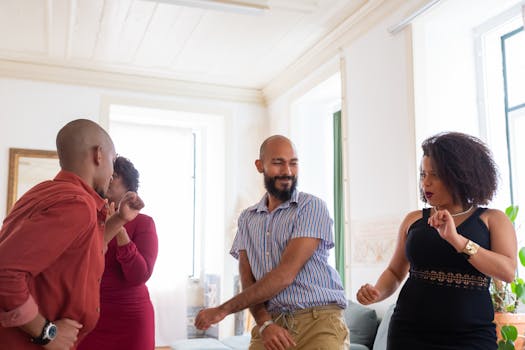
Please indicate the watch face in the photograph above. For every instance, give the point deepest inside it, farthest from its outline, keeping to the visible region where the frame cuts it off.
(471, 248)
(51, 331)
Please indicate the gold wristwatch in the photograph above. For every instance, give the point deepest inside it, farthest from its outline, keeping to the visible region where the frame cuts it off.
(470, 249)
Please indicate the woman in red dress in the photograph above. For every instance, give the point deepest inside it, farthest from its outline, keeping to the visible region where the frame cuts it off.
(126, 313)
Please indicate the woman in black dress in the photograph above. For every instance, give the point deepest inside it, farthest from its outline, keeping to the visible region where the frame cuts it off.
(450, 252)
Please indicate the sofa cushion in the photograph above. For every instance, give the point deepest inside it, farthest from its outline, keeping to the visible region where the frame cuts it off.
(362, 323)
(199, 344)
(358, 347)
(237, 342)
(382, 331)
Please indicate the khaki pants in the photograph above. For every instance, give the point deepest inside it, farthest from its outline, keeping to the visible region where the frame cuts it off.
(317, 328)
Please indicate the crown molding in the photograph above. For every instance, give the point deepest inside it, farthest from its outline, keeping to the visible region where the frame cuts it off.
(238, 6)
(305, 6)
(130, 82)
(331, 45)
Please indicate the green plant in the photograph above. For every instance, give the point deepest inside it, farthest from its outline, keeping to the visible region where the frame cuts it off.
(507, 296)
(509, 334)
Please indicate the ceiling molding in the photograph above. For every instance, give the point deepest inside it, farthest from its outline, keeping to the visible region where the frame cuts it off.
(136, 83)
(305, 6)
(330, 46)
(239, 6)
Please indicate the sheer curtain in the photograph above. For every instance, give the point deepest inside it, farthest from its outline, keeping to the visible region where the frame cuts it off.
(164, 157)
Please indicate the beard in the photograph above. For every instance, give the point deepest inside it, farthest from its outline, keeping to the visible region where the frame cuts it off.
(282, 195)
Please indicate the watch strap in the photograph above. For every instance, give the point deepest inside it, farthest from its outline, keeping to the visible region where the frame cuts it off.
(43, 338)
(265, 325)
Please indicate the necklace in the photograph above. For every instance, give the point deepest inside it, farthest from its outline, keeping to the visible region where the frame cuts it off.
(460, 213)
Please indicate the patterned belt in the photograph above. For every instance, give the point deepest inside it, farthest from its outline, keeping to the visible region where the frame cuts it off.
(309, 310)
(451, 279)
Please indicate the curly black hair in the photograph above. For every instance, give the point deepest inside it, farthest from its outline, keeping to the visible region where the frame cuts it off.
(124, 169)
(465, 165)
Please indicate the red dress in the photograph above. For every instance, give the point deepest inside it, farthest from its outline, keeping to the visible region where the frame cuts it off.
(126, 313)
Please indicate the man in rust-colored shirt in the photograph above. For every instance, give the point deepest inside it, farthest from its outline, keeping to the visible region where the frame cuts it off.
(52, 246)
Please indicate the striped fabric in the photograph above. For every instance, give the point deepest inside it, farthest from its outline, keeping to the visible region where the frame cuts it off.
(264, 236)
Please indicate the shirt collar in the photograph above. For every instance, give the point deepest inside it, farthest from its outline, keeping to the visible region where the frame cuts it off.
(263, 207)
(67, 176)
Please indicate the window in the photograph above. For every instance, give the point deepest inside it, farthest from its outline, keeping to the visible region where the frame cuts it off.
(164, 154)
(172, 149)
(513, 57)
(501, 49)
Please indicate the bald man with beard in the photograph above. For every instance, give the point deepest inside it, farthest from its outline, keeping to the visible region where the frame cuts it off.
(282, 243)
(52, 245)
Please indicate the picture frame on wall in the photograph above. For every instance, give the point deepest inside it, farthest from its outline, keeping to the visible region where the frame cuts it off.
(28, 167)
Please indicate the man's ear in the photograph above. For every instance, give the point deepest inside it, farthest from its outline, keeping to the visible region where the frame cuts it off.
(259, 165)
(97, 155)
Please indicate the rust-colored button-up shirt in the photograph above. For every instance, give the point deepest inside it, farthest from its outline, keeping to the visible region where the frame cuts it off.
(51, 258)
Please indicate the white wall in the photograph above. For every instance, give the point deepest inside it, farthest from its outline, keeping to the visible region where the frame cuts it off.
(381, 159)
(31, 113)
(445, 65)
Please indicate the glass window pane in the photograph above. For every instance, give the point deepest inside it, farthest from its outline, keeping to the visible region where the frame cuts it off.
(517, 128)
(515, 62)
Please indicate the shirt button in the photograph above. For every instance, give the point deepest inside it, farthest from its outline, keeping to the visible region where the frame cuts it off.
(98, 309)
(267, 253)
(268, 233)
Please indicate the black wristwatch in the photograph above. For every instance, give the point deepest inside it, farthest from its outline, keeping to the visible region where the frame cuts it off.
(49, 332)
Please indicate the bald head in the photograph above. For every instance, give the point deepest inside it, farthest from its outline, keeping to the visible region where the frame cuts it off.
(77, 139)
(84, 148)
(274, 141)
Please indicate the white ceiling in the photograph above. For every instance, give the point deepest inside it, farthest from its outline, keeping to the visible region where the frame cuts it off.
(157, 39)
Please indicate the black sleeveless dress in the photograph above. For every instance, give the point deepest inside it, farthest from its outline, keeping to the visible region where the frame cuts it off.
(445, 302)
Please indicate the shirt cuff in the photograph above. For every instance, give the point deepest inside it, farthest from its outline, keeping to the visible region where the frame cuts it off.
(126, 252)
(21, 315)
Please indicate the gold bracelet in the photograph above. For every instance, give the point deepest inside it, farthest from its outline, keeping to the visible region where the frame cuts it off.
(470, 249)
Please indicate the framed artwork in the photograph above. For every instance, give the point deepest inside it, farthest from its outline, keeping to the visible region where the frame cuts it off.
(28, 167)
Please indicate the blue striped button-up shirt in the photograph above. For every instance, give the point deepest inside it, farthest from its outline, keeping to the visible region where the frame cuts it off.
(264, 236)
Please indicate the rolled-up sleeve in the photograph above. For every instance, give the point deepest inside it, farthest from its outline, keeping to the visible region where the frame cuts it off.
(20, 315)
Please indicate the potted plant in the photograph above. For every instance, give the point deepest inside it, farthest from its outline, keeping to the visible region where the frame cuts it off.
(509, 335)
(506, 297)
